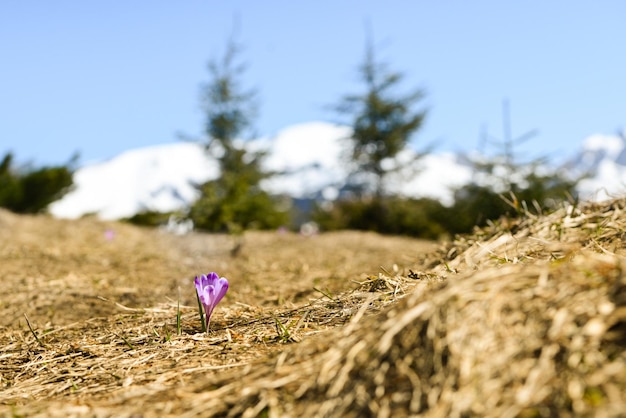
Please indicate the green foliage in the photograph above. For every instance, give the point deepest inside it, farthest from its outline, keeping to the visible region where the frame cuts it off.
(382, 123)
(32, 191)
(475, 204)
(425, 218)
(149, 218)
(234, 201)
(229, 109)
(518, 191)
(509, 187)
(10, 187)
(230, 205)
(42, 187)
(548, 190)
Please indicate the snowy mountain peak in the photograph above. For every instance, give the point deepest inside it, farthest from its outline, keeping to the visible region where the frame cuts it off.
(153, 178)
(597, 148)
(309, 160)
(602, 159)
(611, 145)
(307, 157)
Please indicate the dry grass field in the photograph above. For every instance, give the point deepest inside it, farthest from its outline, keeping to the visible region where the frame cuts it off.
(103, 298)
(522, 319)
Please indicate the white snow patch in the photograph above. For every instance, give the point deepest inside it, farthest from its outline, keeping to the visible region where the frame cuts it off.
(155, 178)
(436, 177)
(608, 182)
(612, 145)
(308, 158)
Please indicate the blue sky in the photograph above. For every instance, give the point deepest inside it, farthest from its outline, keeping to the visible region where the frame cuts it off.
(100, 77)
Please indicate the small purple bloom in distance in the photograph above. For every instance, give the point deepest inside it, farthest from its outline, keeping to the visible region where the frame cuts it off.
(211, 289)
(109, 235)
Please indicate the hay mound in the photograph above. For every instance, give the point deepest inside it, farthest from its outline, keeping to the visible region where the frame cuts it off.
(528, 322)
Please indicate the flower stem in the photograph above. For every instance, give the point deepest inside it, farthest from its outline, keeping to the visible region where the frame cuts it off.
(201, 313)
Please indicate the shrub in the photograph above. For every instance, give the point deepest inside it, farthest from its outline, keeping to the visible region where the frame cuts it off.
(32, 191)
(424, 218)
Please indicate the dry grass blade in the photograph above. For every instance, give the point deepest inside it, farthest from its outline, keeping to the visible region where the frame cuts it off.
(32, 331)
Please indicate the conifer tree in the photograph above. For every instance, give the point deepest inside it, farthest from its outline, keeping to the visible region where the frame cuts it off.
(32, 190)
(234, 201)
(382, 121)
(10, 190)
(505, 185)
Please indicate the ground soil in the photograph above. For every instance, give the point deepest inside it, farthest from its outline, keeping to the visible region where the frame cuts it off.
(84, 303)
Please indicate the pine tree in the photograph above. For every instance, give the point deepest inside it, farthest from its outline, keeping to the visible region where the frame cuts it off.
(32, 190)
(503, 185)
(10, 189)
(234, 201)
(382, 122)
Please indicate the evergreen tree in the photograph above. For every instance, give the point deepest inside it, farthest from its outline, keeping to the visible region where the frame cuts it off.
(10, 190)
(382, 122)
(31, 191)
(234, 201)
(505, 185)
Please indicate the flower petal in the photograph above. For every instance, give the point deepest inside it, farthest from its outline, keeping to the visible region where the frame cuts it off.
(206, 298)
(211, 278)
(198, 283)
(220, 289)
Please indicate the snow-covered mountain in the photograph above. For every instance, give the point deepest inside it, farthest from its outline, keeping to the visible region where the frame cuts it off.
(308, 158)
(310, 163)
(152, 178)
(603, 158)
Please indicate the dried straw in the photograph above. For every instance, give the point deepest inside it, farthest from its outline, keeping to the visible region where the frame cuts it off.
(521, 319)
(534, 325)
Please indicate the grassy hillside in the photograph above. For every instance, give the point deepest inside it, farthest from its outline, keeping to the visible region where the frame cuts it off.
(525, 318)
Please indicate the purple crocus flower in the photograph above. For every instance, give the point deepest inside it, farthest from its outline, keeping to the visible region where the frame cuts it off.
(211, 289)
